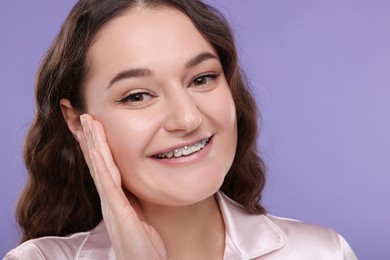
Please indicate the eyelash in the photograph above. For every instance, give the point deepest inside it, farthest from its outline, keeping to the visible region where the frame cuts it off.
(212, 76)
(136, 95)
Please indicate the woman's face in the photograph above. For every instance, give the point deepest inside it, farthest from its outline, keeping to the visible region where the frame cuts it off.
(158, 88)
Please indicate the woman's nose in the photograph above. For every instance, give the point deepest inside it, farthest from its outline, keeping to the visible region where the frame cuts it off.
(182, 112)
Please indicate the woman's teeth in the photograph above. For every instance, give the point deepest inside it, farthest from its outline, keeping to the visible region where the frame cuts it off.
(186, 150)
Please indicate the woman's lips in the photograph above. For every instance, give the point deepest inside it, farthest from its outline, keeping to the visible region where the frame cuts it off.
(187, 159)
(183, 151)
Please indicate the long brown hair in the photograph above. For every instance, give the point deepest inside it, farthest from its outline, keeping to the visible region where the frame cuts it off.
(60, 197)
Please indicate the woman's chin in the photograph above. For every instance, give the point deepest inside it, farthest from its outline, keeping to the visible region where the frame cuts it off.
(180, 197)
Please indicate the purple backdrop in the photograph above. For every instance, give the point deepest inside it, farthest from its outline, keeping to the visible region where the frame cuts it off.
(321, 73)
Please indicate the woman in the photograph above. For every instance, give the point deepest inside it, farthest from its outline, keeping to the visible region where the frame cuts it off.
(147, 98)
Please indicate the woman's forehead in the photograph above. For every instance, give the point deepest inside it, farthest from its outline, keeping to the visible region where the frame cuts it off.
(144, 37)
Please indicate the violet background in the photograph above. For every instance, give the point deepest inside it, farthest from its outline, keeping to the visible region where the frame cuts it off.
(320, 71)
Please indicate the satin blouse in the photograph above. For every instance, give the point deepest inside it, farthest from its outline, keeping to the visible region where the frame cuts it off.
(248, 236)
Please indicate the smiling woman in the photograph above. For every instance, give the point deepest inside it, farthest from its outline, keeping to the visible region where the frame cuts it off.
(144, 144)
(160, 100)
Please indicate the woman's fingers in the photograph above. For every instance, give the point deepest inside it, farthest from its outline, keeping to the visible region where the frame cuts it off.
(86, 153)
(131, 236)
(95, 138)
(84, 148)
(105, 173)
(101, 144)
(86, 123)
(112, 193)
(85, 143)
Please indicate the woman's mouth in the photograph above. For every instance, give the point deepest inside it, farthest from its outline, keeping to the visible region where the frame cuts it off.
(184, 151)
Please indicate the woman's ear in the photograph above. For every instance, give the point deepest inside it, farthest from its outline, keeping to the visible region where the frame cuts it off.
(71, 116)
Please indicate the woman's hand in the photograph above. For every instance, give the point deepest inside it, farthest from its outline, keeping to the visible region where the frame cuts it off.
(131, 236)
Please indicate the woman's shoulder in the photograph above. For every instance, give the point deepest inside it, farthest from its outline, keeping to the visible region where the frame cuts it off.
(50, 247)
(295, 229)
(252, 236)
(312, 237)
(79, 245)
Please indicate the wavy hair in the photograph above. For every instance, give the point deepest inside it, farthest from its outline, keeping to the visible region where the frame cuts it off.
(60, 197)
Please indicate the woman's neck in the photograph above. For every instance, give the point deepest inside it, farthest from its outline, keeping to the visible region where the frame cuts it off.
(189, 232)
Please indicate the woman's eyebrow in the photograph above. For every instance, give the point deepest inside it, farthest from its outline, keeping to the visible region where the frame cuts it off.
(144, 72)
(130, 73)
(199, 59)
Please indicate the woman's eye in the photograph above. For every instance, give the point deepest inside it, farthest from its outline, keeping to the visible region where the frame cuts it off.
(203, 80)
(136, 97)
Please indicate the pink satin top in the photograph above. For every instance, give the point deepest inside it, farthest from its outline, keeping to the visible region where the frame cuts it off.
(247, 237)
